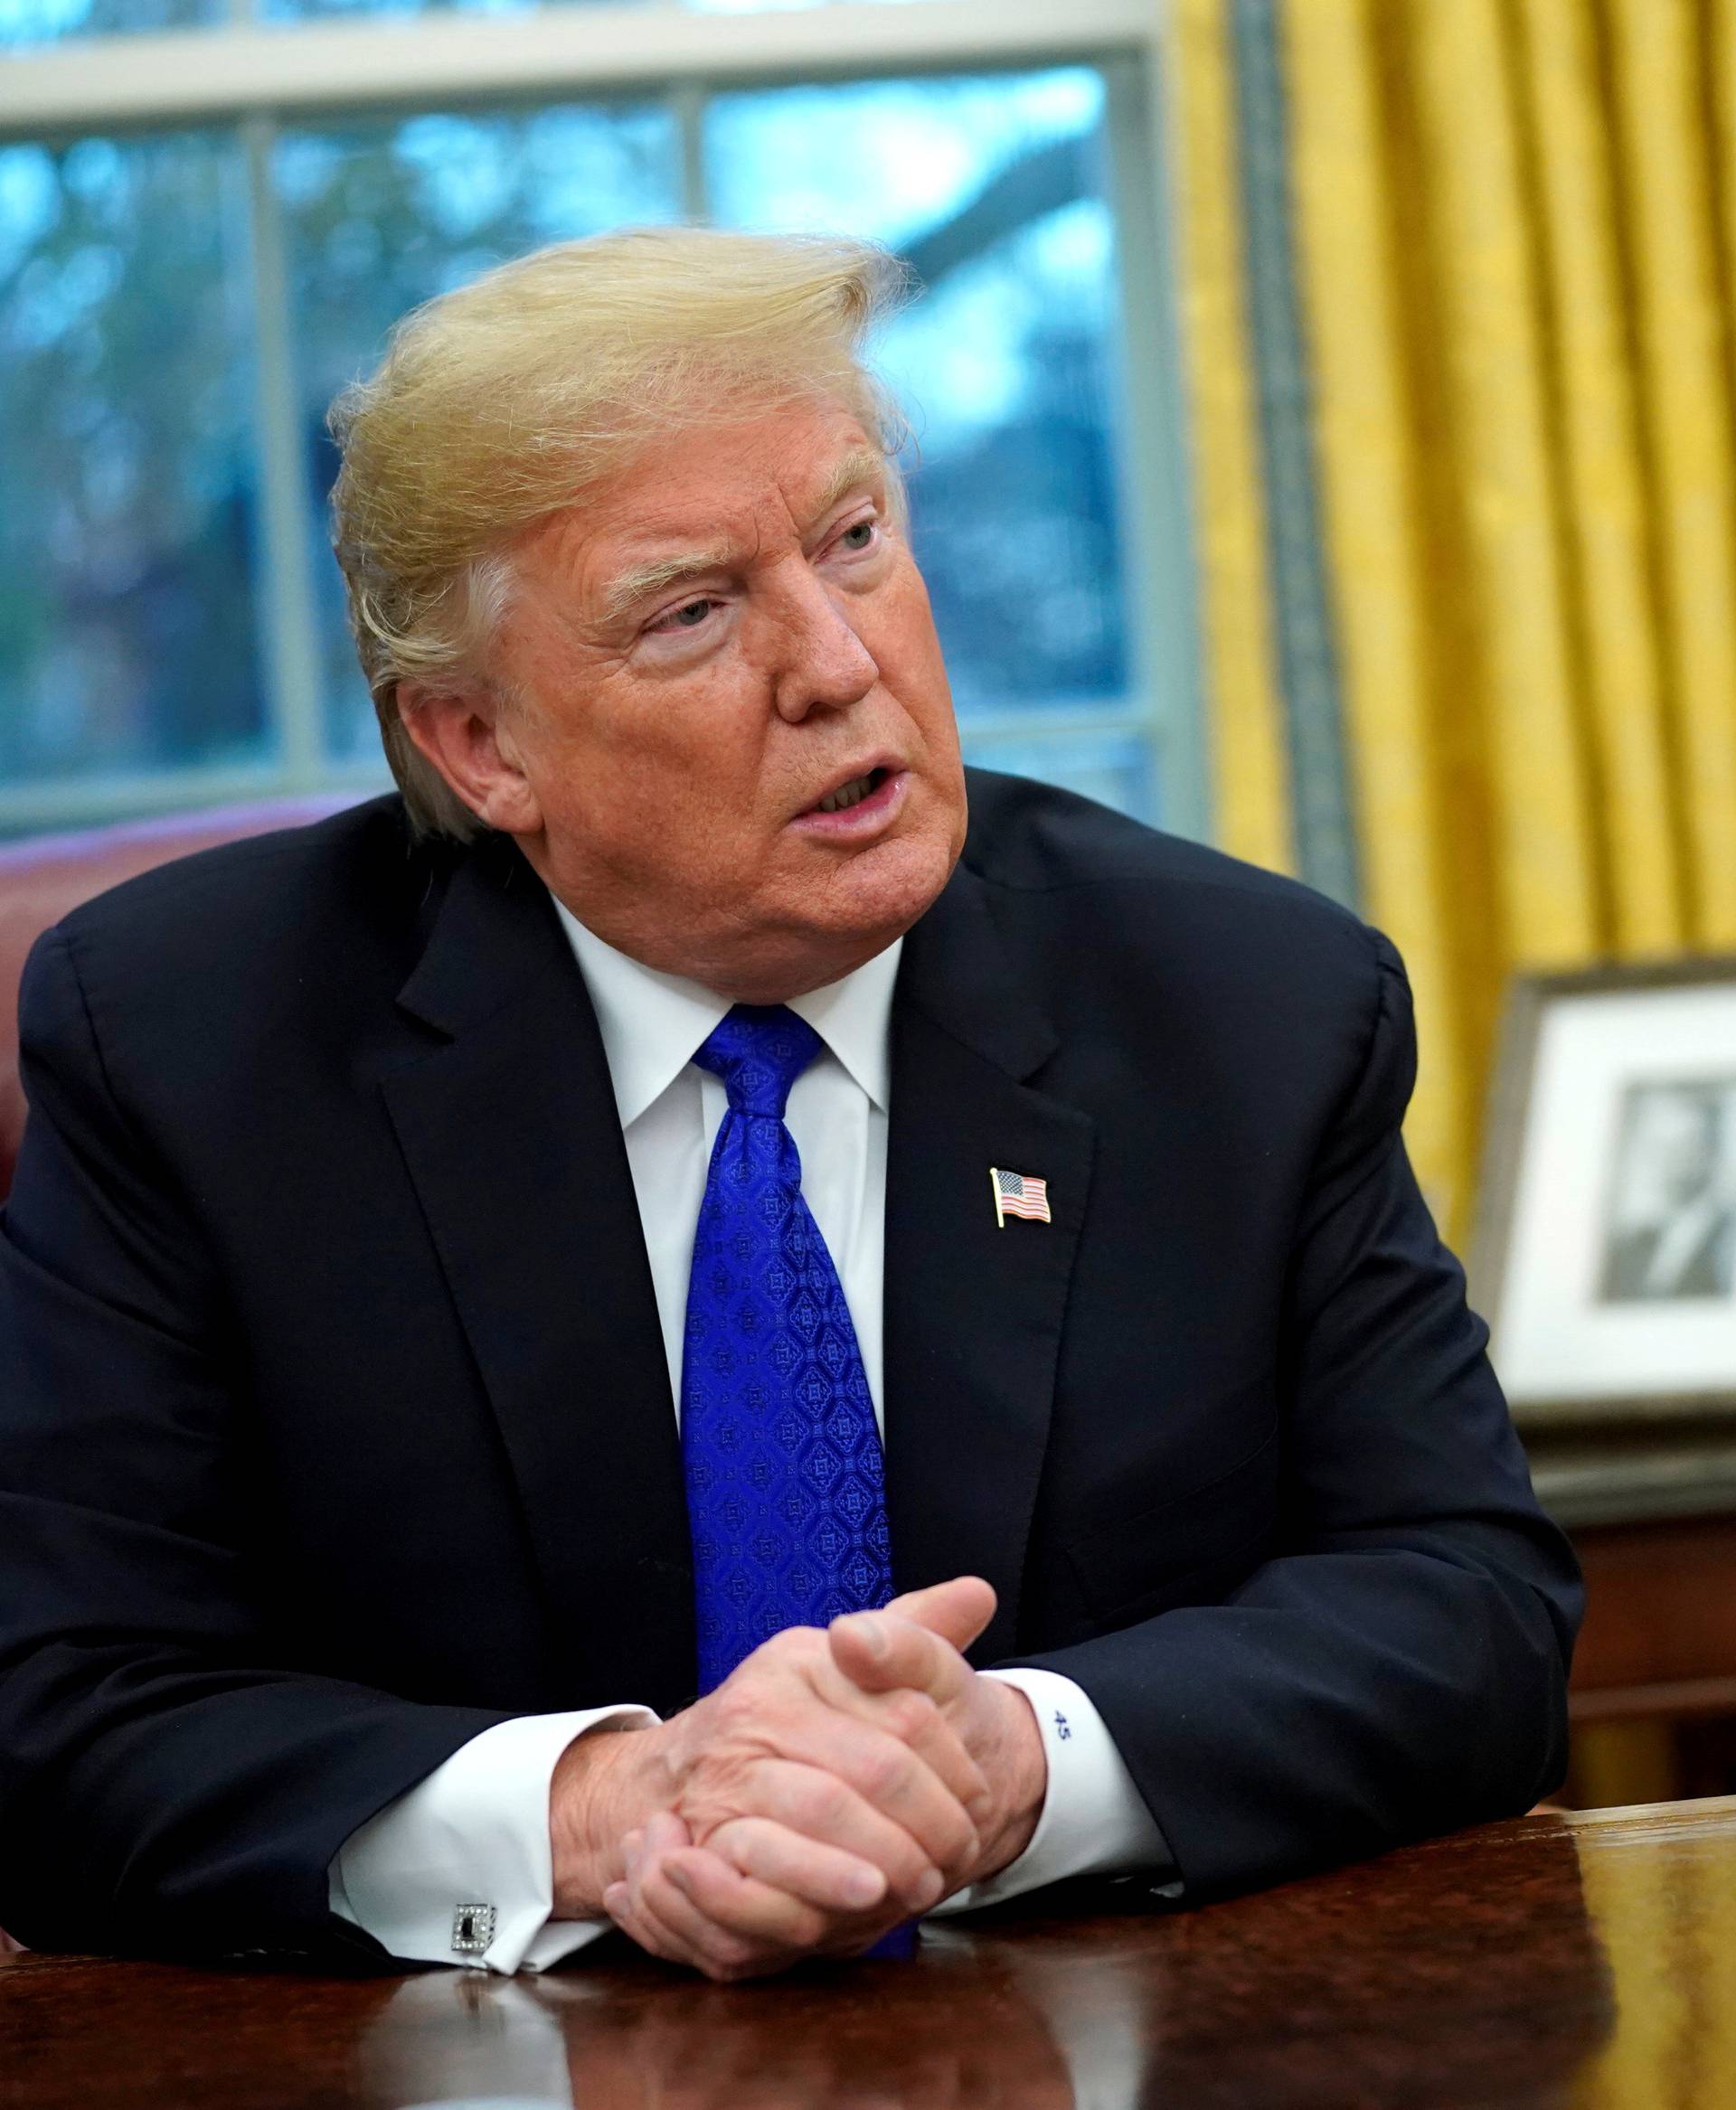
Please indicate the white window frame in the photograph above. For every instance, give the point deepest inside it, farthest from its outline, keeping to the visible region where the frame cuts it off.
(256, 76)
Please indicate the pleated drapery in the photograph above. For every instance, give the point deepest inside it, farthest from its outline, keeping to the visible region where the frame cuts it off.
(1511, 225)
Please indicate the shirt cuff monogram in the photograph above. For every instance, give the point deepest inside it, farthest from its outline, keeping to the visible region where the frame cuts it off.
(1094, 1819)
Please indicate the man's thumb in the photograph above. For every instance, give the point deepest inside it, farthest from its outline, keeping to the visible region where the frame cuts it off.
(957, 1611)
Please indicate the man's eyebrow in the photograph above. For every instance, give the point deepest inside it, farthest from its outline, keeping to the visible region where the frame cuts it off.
(861, 465)
(630, 588)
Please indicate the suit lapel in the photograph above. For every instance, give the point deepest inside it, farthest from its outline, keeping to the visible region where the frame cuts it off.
(973, 1314)
(510, 1133)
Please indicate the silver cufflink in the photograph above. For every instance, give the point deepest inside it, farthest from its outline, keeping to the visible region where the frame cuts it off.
(473, 1928)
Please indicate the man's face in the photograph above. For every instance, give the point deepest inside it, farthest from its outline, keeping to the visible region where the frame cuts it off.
(1681, 1135)
(721, 641)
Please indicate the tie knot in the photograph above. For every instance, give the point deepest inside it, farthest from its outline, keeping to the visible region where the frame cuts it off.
(758, 1051)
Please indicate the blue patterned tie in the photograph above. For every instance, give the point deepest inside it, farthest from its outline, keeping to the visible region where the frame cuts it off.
(786, 1488)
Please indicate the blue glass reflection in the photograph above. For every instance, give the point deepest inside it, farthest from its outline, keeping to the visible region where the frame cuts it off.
(1116, 768)
(24, 23)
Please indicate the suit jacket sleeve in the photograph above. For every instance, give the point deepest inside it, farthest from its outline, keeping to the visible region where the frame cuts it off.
(1399, 1668)
(168, 1785)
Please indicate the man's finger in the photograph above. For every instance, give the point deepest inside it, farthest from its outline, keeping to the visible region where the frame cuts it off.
(661, 1915)
(661, 1833)
(823, 1876)
(916, 1719)
(680, 1933)
(845, 1772)
(957, 1611)
(916, 1641)
(745, 1913)
(818, 1804)
(639, 1926)
(884, 1653)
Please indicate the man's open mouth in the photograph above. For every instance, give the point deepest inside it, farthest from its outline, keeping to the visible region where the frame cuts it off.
(852, 794)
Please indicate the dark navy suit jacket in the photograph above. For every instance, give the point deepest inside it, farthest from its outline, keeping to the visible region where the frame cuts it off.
(335, 1424)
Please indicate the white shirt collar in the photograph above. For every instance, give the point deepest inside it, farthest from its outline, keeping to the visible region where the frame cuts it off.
(651, 1023)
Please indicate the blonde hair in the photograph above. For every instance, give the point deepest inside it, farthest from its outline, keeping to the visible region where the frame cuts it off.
(500, 402)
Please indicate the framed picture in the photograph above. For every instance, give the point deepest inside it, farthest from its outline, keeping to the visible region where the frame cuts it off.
(1605, 1254)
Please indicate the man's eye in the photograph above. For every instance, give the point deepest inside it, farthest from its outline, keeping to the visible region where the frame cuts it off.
(865, 530)
(688, 617)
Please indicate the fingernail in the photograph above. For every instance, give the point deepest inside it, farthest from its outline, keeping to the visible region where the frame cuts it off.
(871, 1632)
(928, 1890)
(864, 1886)
(677, 1875)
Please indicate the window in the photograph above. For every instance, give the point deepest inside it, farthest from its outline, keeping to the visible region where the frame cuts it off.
(186, 280)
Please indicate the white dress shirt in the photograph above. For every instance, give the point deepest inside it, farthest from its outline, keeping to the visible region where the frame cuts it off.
(476, 1830)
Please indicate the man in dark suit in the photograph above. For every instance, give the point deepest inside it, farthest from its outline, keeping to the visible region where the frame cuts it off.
(1683, 1238)
(403, 1547)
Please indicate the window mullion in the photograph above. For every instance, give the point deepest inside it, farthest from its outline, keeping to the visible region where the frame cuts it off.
(1155, 507)
(285, 584)
(433, 60)
(687, 106)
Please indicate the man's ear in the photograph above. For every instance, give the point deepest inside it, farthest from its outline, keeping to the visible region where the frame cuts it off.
(462, 734)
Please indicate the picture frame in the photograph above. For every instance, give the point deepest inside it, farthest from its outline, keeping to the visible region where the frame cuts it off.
(1604, 1252)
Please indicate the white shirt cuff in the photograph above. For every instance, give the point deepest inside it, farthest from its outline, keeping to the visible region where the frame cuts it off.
(474, 1833)
(1094, 1821)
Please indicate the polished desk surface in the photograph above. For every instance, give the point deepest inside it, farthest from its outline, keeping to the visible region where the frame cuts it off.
(1584, 1962)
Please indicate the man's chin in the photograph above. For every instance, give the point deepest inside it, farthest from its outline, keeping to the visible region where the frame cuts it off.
(822, 931)
(878, 894)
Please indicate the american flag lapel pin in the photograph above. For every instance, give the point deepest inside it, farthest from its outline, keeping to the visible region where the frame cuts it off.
(1018, 1194)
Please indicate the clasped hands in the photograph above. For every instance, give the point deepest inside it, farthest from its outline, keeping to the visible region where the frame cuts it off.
(838, 1783)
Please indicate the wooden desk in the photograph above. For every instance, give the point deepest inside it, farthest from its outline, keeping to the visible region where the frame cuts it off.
(1587, 1961)
(1652, 1514)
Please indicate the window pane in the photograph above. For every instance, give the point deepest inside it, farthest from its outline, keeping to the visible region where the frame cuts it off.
(382, 217)
(127, 622)
(996, 190)
(1115, 767)
(24, 23)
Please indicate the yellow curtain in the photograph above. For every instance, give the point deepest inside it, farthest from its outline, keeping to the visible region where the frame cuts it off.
(1514, 246)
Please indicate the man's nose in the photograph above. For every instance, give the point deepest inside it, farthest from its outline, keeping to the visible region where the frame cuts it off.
(822, 664)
